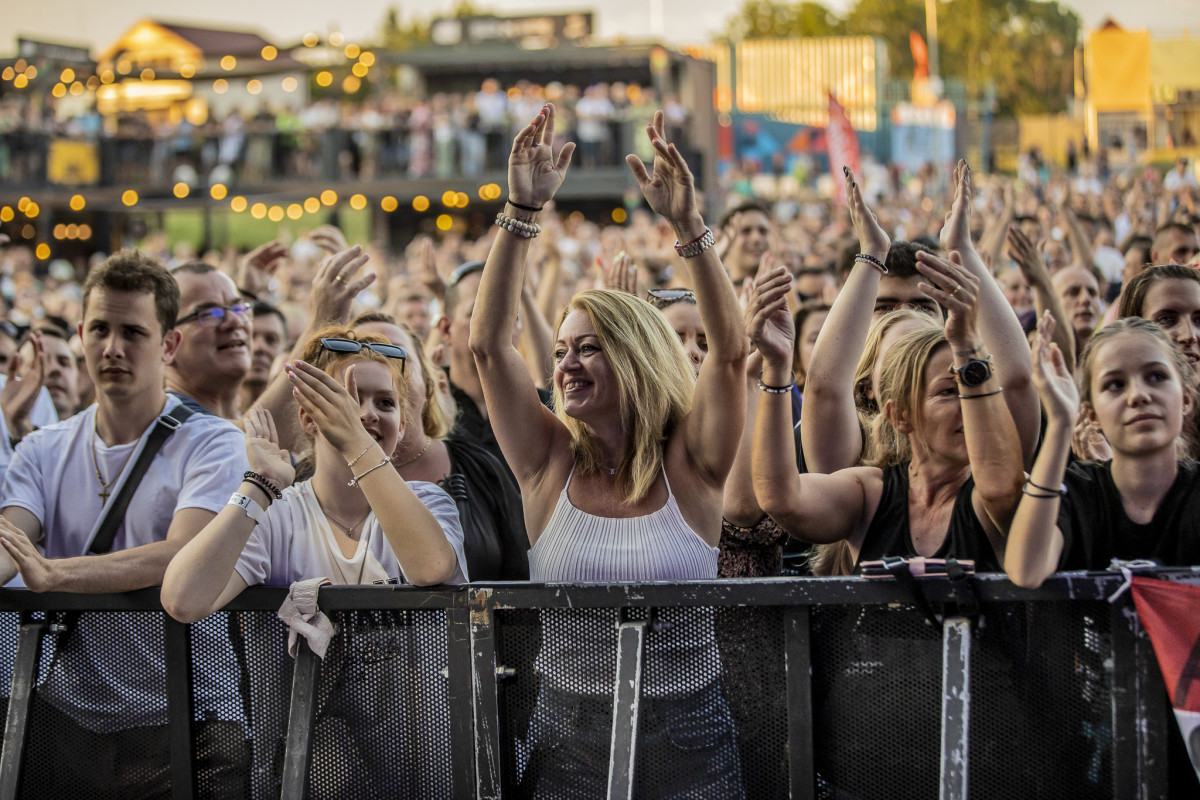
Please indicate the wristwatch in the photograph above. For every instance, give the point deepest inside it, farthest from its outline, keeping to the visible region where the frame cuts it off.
(697, 245)
(974, 373)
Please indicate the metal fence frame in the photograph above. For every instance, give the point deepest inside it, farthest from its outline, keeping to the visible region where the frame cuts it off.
(1139, 713)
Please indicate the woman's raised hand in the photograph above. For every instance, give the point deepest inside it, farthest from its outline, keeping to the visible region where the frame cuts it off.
(670, 189)
(1053, 379)
(872, 239)
(769, 324)
(956, 232)
(263, 452)
(331, 404)
(534, 173)
(956, 289)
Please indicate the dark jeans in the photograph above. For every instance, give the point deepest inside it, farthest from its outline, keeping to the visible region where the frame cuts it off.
(687, 747)
(63, 759)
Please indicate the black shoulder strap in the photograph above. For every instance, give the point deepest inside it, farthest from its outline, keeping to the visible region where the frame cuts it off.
(163, 427)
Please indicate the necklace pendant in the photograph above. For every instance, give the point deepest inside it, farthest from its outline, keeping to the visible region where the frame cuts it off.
(103, 495)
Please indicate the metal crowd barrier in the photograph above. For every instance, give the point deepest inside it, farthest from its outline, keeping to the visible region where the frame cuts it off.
(838, 688)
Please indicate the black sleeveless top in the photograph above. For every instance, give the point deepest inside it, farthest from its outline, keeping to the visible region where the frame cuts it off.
(889, 535)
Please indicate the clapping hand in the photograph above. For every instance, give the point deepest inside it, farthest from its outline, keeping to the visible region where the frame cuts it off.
(1054, 381)
(956, 289)
(670, 189)
(25, 378)
(620, 276)
(956, 232)
(332, 405)
(256, 268)
(534, 174)
(769, 324)
(872, 239)
(263, 452)
(334, 289)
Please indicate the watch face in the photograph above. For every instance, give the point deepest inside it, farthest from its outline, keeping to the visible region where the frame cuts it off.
(974, 373)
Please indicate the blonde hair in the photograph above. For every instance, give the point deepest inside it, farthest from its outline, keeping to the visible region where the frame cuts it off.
(655, 384)
(903, 383)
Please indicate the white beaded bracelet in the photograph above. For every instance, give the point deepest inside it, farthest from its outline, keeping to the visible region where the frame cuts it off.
(528, 230)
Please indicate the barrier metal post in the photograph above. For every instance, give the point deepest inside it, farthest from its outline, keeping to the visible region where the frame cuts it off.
(177, 642)
(301, 716)
(627, 697)
(956, 707)
(20, 700)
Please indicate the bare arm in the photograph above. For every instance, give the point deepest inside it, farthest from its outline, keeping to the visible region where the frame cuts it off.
(1045, 299)
(813, 507)
(712, 428)
(829, 426)
(119, 571)
(998, 325)
(1035, 543)
(993, 448)
(525, 429)
(537, 339)
(1081, 247)
(740, 506)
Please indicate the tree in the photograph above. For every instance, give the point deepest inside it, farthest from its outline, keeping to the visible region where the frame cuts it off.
(767, 19)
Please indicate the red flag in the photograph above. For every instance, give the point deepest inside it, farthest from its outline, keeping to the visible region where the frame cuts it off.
(843, 148)
(1168, 613)
(920, 54)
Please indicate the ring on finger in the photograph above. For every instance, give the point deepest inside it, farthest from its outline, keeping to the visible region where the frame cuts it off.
(337, 278)
(955, 290)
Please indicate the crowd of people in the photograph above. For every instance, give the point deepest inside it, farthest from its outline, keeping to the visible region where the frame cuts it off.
(1003, 374)
(394, 133)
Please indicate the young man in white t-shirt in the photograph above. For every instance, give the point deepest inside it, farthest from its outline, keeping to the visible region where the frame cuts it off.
(104, 700)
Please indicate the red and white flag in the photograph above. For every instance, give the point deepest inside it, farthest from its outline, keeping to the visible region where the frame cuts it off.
(1168, 613)
(842, 142)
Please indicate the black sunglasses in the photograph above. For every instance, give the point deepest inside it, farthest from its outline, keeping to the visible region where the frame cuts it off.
(661, 298)
(217, 313)
(351, 346)
(462, 271)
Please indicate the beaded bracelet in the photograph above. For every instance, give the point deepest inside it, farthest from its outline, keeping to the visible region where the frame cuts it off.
(267, 486)
(1025, 491)
(528, 230)
(776, 389)
(867, 258)
(515, 204)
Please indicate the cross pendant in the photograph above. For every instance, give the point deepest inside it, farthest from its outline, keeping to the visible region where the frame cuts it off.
(104, 496)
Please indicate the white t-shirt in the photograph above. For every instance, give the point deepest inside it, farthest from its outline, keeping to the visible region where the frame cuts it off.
(111, 676)
(294, 542)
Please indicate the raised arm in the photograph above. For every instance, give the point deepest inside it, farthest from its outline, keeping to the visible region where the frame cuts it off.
(1035, 543)
(201, 577)
(1045, 299)
(525, 429)
(829, 426)
(993, 447)
(1082, 253)
(812, 507)
(712, 428)
(998, 324)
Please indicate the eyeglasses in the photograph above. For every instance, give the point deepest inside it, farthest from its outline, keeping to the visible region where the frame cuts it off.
(462, 271)
(216, 314)
(351, 346)
(661, 298)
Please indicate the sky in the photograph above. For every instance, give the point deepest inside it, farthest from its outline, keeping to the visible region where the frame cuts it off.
(97, 23)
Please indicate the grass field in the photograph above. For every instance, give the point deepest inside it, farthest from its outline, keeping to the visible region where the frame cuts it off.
(243, 231)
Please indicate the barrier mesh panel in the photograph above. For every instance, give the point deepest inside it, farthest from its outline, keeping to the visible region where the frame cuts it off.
(557, 711)
(382, 725)
(1039, 704)
(9, 628)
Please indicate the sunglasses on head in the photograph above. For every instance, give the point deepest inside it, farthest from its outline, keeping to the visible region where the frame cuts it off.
(216, 314)
(661, 298)
(351, 346)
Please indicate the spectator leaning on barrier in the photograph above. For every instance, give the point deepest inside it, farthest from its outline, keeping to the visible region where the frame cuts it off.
(103, 700)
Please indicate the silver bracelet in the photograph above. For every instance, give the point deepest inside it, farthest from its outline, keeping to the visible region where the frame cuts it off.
(248, 504)
(696, 246)
(360, 455)
(354, 481)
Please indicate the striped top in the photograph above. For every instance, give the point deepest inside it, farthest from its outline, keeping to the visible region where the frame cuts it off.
(659, 546)
(578, 652)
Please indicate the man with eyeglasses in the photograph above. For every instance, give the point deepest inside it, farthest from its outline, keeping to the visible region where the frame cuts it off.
(100, 711)
(215, 333)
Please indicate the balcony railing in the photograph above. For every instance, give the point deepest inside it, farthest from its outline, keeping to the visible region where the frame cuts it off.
(837, 688)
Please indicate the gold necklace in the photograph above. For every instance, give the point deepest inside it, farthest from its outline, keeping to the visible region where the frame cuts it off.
(428, 442)
(104, 493)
